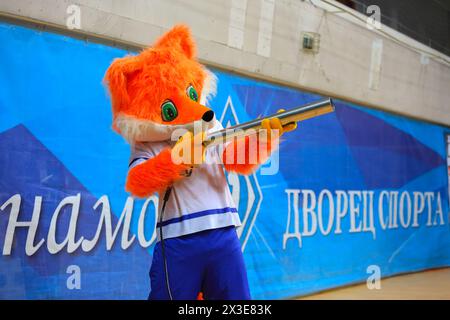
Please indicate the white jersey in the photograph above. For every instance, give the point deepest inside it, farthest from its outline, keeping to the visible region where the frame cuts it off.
(199, 202)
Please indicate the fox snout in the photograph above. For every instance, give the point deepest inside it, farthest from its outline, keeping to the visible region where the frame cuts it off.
(208, 116)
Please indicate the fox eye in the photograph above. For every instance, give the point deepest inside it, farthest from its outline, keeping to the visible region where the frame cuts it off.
(168, 111)
(192, 94)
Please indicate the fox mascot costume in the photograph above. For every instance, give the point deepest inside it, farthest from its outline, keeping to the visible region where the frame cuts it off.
(154, 93)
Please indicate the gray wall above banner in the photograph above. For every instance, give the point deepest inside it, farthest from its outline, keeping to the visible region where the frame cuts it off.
(319, 46)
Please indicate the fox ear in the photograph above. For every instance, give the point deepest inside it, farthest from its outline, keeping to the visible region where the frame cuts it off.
(116, 80)
(178, 38)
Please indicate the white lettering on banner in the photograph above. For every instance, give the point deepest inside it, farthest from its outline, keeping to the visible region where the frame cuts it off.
(330, 211)
(439, 212)
(354, 210)
(419, 206)
(405, 205)
(141, 223)
(393, 203)
(308, 212)
(381, 217)
(368, 224)
(105, 219)
(393, 207)
(327, 212)
(32, 225)
(296, 234)
(341, 211)
(429, 197)
(70, 243)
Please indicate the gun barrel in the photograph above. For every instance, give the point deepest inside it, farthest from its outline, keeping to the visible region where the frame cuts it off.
(308, 111)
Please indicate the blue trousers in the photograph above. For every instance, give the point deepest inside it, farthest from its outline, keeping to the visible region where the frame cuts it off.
(209, 261)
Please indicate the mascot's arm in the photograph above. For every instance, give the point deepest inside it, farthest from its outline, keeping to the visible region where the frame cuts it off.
(236, 156)
(263, 150)
(154, 175)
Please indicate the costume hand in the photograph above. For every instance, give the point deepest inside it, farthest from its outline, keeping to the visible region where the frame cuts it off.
(275, 124)
(189, 149)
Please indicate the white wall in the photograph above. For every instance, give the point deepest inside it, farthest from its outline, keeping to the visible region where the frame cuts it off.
(261, 38)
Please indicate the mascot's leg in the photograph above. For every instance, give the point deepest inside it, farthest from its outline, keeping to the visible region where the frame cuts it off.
(185, 270)
(209, 261)
(226, 276)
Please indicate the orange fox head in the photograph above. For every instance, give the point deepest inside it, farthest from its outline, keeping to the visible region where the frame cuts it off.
(160, 89)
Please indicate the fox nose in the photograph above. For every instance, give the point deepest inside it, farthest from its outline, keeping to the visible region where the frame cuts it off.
(208, 116)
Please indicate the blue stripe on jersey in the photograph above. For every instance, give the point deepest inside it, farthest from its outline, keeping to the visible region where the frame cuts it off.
(136, 159)
(196, 215)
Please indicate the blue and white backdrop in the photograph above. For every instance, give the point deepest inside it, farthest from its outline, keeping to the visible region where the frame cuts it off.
(357, 190)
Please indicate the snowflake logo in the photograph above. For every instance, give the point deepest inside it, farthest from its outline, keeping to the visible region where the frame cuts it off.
(245, 190)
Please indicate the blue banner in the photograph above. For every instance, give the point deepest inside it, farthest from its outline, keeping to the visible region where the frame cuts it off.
(355, 192)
